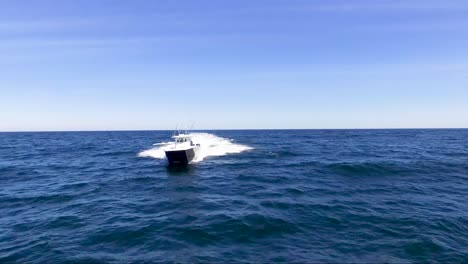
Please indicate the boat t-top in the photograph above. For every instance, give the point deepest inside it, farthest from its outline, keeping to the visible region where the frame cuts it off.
(183, 151)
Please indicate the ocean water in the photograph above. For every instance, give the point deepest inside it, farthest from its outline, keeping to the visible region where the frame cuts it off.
(255, 196)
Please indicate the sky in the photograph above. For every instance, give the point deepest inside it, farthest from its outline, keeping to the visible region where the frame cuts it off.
(247, 64)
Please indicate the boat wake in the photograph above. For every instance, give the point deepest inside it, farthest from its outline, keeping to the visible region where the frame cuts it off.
(211, 145)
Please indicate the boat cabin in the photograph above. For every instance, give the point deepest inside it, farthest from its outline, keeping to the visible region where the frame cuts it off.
(183, 139)
(180, 140)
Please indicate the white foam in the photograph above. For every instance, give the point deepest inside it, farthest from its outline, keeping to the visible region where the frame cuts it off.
(210, 145)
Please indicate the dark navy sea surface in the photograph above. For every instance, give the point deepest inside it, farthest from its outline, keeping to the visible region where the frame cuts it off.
(296, 196)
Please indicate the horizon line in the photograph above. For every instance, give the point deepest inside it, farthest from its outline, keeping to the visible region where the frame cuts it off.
(229, 129)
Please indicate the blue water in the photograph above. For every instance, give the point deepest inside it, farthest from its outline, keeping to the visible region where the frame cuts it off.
(298, 196)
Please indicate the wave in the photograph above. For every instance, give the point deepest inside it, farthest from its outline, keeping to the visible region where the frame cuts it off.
(370, 168)
(210, 146)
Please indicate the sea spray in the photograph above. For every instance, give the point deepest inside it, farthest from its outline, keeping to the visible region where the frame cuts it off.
(210, 145)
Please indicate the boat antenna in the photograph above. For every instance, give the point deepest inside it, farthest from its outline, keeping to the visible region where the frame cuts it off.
(191, 127)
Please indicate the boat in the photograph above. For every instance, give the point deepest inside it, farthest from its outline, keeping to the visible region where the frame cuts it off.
(183, 151)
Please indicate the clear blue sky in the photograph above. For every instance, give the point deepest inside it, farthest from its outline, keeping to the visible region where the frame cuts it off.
(108, 64)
